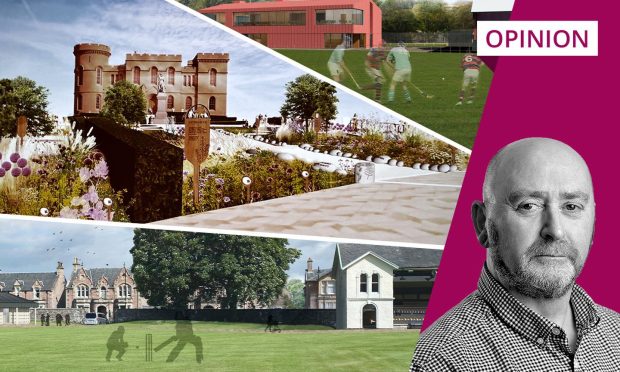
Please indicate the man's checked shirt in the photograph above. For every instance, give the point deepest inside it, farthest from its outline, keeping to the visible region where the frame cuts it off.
(490, 330)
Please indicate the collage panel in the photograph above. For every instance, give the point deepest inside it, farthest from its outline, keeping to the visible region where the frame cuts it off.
(182, 122)
(141, 298)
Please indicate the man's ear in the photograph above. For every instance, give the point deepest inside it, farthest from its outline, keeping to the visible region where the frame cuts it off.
(479, 217)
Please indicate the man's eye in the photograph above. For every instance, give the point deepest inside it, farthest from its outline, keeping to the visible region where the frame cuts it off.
(528, 207)
(571, 207)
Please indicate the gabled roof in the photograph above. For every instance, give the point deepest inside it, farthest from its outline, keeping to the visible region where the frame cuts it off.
(315, 275)
(282, 4)
(398, 257)
(95, 274)
(27, 280)
(9, 300)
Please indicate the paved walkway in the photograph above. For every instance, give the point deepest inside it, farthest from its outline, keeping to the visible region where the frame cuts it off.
(414, 210)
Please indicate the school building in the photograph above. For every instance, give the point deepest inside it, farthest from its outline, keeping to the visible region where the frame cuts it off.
(303, 24)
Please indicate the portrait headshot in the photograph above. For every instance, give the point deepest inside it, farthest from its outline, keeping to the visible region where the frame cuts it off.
(536, 221)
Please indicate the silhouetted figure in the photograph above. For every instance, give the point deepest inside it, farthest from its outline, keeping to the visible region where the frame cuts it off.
(47, 319)
(117, 343)
(42, 319)
(67, 319)
(58, 320)
(184, 335)
(272, 324)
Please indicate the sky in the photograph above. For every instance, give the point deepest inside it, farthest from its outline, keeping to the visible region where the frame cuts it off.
(37, 246)
(37, 39)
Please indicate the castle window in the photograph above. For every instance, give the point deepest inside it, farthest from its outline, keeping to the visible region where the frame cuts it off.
(188, 103)
(363, 283)
(170, 102)
(103, 293)
(98, 102)
(112, 77)
(136, 75)
(99, 75)
(154, 74)
(375, 282)
(124, 291)
(80, 75)
(83, 291)
(213, 77)
(79, 101)
(212, 103)
(171, 75)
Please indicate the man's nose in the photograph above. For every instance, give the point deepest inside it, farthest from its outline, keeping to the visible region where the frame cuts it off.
(552, 224)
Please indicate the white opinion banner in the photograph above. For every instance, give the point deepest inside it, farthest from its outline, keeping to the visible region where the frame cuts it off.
(537, 38)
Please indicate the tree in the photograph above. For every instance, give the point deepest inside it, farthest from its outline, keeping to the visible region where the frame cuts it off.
(397, 16)
(307, 96)
(461, 17)
(125, 103)
(22, 96)
(173, 269)
(295, 288)
(432, 16)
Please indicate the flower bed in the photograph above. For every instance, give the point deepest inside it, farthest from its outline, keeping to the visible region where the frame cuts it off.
(243, 179)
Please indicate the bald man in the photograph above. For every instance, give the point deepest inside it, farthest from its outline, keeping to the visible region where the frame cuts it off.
(536, 222)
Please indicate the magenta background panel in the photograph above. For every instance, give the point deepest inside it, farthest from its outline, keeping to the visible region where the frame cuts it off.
(572, 99)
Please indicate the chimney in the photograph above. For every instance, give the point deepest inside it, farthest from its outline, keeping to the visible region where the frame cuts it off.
(76, 265)
(309, 267)
(60, 271)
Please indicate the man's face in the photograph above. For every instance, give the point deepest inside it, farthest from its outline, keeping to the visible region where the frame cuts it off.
(540, 221)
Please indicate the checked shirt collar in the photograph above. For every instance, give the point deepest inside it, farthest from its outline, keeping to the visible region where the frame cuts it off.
(525, 321)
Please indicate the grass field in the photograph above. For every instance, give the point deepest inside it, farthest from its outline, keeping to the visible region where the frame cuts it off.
(437, 74)
(226, 347)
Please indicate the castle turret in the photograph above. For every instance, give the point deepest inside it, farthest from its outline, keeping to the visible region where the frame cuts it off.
(90, 61)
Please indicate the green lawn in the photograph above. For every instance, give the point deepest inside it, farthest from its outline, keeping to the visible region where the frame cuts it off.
(437, 74)
(227, 347)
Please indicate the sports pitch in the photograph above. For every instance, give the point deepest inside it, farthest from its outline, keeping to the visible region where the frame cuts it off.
(226, 347)
(436, 74)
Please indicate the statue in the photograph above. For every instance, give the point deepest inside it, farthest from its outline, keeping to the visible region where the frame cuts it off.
(160, 83)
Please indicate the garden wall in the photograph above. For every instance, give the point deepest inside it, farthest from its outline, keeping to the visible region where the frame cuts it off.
(285, 316)
(150, 170)
(76, 315)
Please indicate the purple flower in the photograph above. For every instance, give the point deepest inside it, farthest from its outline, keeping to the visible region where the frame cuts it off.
(14, 157)
(21, 162)
(26, 171)
(219, 181)
(185, 173)
(101, 170)
(6, 166)
(84, 174)
(16, 172)
(2, 172)
(88, 161)
(67, 212)
(91, 195)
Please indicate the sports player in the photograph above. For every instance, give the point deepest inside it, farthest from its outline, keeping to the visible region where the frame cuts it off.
(399, 59)
(335, 64)
(374, 61)
(471, 70)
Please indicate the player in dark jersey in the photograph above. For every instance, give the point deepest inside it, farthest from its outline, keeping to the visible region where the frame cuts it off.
(373, 63)
(470, 64)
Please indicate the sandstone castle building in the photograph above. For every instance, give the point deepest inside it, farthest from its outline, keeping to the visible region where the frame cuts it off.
(202, 80)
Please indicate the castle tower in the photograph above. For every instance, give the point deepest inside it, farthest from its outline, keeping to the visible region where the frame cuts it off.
(212, 74)
(90, 62)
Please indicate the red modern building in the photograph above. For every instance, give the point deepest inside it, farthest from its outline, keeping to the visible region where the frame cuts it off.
(312, 24)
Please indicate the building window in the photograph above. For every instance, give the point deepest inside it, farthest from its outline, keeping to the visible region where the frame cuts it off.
(83, 291)
(213, 77)
(80, 75)
(259, 38)
(170, 102)
(103, 293)
(136, 75)
(212, 103)
(112, 79)
(194, 80)
(124, 291)
(98, 102)
(375, 282)
(154, 74)
(99, 75)
(17, 289)
(339, 16)
(279, 18)
(188, 103)
(328, 287)
(171, 75)
(330, 305)
(363, 283)
(218, 17)
(79, 101)
(36, 293)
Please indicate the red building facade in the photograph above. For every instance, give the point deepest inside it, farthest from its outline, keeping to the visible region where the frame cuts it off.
(303, 24)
